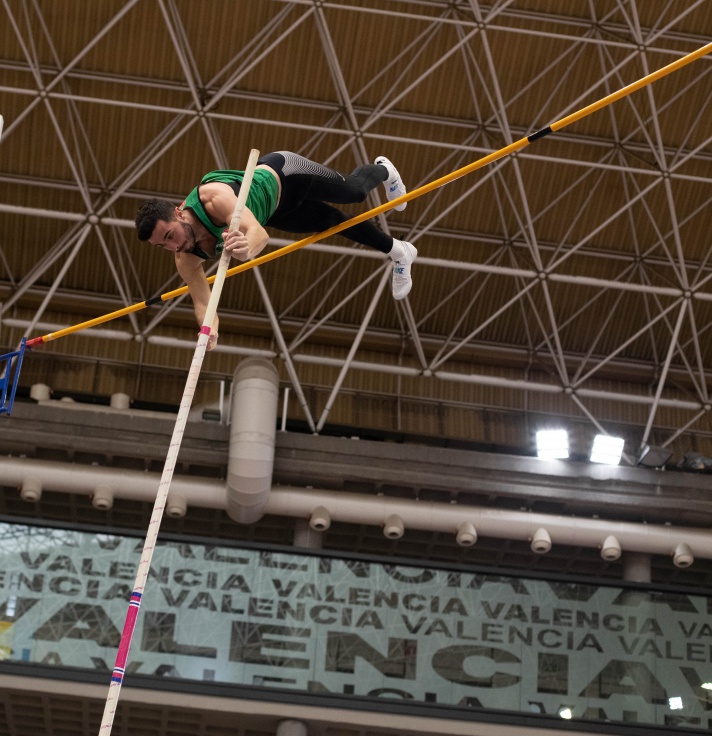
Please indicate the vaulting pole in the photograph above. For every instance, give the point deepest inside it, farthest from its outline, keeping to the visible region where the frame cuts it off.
(480, 163)
(174, 447)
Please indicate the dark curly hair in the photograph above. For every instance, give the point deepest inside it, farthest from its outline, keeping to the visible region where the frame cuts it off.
(149, 213)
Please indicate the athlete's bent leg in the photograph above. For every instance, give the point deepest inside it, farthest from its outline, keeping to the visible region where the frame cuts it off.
(315, 217)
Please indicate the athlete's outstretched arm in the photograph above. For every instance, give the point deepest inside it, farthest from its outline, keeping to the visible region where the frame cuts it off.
(190, 268)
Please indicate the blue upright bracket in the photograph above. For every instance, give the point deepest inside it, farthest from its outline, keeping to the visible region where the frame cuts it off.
(10, 365)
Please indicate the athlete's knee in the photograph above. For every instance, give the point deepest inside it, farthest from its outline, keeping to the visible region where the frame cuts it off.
(366, 178)
(360, 194)
(333, 217)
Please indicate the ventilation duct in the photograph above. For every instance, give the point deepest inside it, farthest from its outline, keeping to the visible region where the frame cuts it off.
(253, 429)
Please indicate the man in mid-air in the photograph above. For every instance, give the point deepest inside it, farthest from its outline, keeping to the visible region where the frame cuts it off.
(288, 192)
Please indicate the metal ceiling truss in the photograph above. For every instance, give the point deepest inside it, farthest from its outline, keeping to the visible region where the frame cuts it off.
(530, 263)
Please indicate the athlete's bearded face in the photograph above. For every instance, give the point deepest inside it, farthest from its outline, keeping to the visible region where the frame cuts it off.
(176, 236)
(189, 238)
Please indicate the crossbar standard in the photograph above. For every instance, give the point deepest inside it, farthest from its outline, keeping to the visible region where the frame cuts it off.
(10, 365)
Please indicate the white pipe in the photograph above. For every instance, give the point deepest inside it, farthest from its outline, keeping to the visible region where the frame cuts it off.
(502, 524)
(253, 430)
(129, 485)
(370, 510)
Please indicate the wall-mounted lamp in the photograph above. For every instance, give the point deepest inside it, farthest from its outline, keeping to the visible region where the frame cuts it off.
(31, 490)
(320, 519)
(176, 506)
(683, 557)
(393, 527)
(610, 549)
(102, 498)
(541, 541)
(466, 534)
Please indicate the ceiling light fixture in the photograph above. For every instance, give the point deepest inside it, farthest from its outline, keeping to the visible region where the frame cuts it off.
(653, 457)
(606, 449)
(552, 444)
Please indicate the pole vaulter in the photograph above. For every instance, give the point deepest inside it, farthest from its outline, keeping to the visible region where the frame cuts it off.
(414, 194)
(174, 447)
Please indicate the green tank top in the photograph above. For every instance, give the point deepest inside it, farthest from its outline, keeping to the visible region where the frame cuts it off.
(261, 201)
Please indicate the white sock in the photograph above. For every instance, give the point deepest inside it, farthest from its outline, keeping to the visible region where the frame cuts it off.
(397, 251)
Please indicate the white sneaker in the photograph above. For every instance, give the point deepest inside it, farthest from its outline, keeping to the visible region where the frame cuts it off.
(402, 254)
(394, 184)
